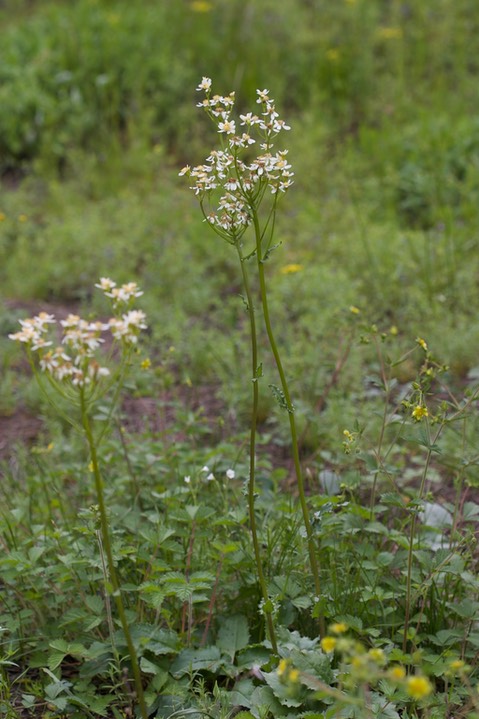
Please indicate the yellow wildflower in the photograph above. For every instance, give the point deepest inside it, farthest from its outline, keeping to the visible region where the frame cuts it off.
(422, 343)
(377, 655)
(393, 331)
(282, 667)
(291, 269)
(341, 627)
(328, 644)
(419, 412)
(397, 673)
(354, 310)
(146, 364)
(457, 665)
(333, 54)
(390, 33)
(418, 687)
(201, 6)
(293, 676)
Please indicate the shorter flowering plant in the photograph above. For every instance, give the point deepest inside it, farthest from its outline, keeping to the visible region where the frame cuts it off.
(74, 371)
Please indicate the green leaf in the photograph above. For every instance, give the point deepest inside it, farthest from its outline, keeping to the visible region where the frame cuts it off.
(233, 635)
(190, 661)
(55, 659)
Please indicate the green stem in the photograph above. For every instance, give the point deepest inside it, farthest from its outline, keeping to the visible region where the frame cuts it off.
(105, 536)
(412, 532)
(312, 549)
(252, 448)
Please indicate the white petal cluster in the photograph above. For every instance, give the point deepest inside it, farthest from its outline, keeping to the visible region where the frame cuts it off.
(120, 295)
(75, 360)
(128, 326)
(225, 171)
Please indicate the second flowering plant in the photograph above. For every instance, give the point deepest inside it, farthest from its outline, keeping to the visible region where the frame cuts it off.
(70, 367)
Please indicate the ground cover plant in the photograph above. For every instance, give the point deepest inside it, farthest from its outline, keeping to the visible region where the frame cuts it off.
(266, 505)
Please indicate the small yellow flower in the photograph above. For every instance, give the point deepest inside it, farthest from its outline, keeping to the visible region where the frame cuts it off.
(146, 364)
(3, 217)
(419, 412)
(291, 269)
(293, 676)
(457, 665)
(418, 687)
(422, 343)
(340, 627)
(377, 655)
(350, 438)
(393, 331)
(328, 644)
(333, 54)
(22, 218)
(354, 310)
(201, 6)
(282, 667)
(390, 33)
(397, 673)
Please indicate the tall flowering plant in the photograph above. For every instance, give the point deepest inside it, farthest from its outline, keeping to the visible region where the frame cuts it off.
(72, 367)
(237, 190)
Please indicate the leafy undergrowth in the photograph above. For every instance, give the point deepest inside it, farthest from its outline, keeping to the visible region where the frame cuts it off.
(399, 588)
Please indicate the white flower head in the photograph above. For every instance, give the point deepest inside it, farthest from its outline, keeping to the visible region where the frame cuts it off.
(230, 473)
(205, 84)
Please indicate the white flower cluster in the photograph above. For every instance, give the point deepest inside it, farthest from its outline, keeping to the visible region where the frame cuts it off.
(242, 182)
(74, 360)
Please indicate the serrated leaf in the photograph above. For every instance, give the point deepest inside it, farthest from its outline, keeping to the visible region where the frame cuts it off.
(95, 603)
(54, 660)
(282, 691)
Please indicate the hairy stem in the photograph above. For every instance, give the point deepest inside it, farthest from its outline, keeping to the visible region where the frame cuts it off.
(312, 549)
(252, 447)
(105, 537)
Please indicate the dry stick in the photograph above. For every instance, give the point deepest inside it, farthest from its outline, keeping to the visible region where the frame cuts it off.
(212, 602)
(312, 548)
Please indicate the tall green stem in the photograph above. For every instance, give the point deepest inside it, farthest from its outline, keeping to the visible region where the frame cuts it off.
(412, 533)
(252, 448)
(312, 549)
(105, 536)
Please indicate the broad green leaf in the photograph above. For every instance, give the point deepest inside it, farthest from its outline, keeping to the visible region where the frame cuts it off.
(233, 635)
(190, 661)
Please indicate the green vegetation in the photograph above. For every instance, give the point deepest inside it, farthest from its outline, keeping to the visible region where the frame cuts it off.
(143, 548)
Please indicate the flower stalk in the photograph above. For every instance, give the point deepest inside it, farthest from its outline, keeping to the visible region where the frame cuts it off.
(244, 185)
